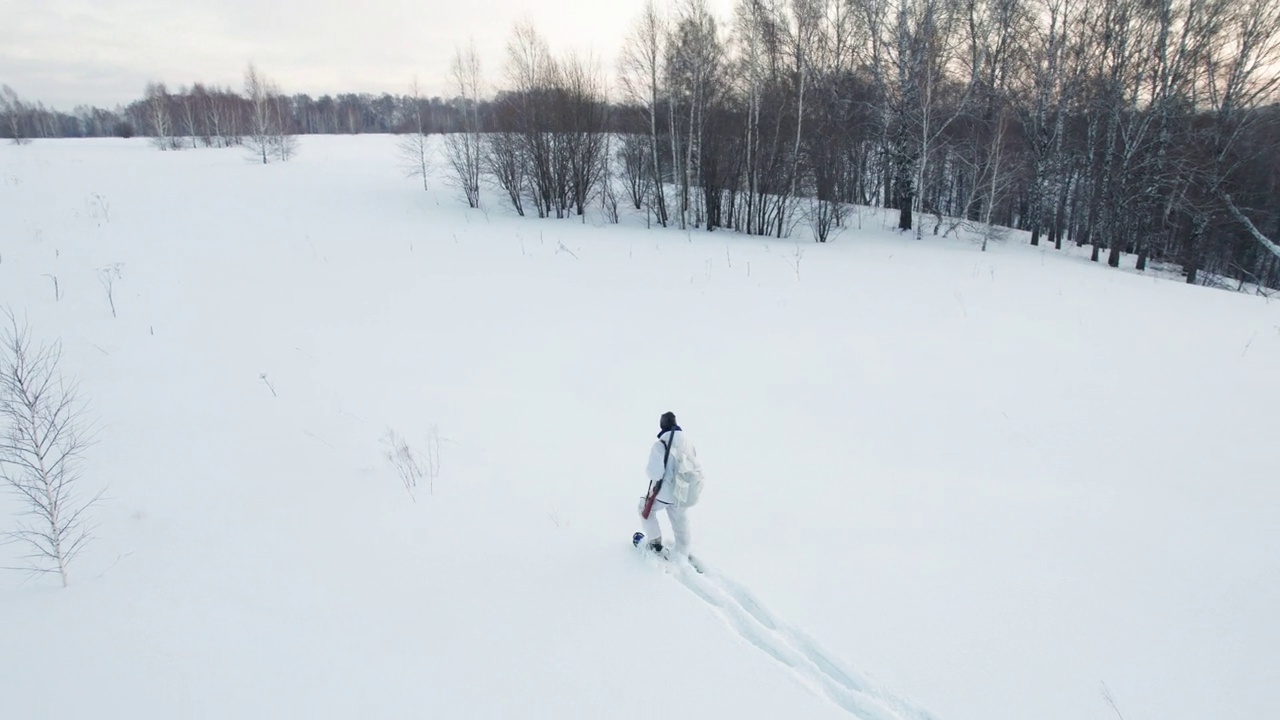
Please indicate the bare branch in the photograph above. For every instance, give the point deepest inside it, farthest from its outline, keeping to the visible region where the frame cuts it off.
(1265, 241)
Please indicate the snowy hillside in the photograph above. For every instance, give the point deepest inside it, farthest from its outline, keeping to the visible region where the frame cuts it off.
(943, 483)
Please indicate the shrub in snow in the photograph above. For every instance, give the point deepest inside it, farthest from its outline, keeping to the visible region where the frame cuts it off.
(410, 464)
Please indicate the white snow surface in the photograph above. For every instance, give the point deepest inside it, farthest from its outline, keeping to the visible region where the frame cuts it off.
(942, 483)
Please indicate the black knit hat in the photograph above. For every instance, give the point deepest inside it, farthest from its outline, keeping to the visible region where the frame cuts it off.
(668, 421)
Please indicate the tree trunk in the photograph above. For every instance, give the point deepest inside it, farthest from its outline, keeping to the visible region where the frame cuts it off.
(1059, 215)
(1034, 201)
(1117, 245)
(1194, 257)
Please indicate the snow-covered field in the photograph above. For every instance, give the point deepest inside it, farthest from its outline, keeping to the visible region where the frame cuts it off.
(942, 483)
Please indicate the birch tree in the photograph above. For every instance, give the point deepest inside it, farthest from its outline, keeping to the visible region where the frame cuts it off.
(189, 114)
(415, 144)
(13, 114)
(464, 148)
(693, 68)
(641, 70)
(1239, 76)
(159, 115)
(269, 134)
(993, 57)
(41, 453)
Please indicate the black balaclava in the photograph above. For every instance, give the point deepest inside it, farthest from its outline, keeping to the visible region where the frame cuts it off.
(668, 421)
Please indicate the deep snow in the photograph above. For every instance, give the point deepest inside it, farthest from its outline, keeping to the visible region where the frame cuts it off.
(988, 482)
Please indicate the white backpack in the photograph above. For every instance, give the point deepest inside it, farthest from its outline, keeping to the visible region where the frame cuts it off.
(686, 473)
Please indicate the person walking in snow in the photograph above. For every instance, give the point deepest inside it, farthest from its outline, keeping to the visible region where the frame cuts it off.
(675, 482)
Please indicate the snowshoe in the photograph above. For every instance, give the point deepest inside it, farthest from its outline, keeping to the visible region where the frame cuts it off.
(653, 545)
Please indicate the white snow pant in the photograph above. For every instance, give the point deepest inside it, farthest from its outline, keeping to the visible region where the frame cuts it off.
(679, 527)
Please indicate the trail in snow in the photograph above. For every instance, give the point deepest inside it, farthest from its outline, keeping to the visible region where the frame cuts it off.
(803, 656)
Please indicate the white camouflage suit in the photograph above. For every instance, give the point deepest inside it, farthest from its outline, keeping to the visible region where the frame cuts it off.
(666, 499)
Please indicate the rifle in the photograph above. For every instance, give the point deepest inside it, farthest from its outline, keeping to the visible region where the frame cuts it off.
(653, 494)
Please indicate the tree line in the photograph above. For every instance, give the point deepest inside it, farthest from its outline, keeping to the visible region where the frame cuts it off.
(1140, 127)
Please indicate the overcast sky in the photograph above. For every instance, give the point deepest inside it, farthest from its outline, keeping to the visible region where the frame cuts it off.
(103, 52)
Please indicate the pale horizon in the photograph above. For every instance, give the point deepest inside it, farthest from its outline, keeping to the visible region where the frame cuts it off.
(65, 53)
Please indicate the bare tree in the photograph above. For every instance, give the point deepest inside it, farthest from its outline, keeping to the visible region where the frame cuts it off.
(270, 135)
(159, 115)
(13, 114)
(830, 130)
(218, 116)
(505, 162)
(189, 113)
(582, 127)
(642, 69)
(1237, 82)
(927, 42)
(636, 168)
(464, 148)
(756, 37)
(285, 141)
(993, 57)
(261, 126)
(806, 41)
(552, 121)
(41, 452)
(197, 104)
(608, 190)
(530, 113)
(415, 146)
(694, 66)
(991, 179)
(1042, 108)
